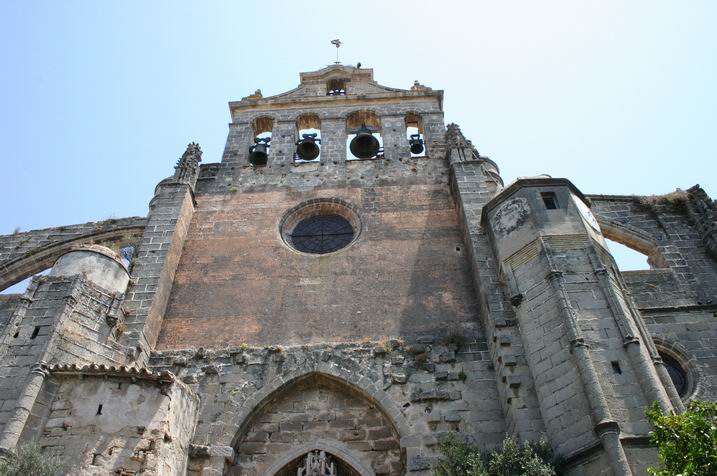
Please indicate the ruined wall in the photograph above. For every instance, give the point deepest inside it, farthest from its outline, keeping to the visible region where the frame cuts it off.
(406, 275)
(26, 253)
(678, 297)
(64, 320)
(115, 421)
(663, 228)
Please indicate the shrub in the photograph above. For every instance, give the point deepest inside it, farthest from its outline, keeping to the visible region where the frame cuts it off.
(30, 459)
(511, 459)
(687, 443)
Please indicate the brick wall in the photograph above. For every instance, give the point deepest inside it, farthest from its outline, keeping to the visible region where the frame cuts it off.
(238, 282)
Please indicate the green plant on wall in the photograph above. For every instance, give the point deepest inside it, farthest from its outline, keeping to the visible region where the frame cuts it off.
(687, 443)
(30, 460)
(510, 459)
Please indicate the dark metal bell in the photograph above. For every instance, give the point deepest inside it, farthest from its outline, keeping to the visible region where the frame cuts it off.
(416, 144)
(307, 147)
(364, 145)
(258, 153)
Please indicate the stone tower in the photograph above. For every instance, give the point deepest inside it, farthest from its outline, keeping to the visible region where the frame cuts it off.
(349, 284)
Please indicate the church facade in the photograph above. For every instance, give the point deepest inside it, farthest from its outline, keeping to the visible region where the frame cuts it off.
(349, 284)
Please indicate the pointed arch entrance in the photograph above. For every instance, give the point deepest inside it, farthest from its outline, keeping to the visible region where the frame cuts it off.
(317, 413)
(323, 457)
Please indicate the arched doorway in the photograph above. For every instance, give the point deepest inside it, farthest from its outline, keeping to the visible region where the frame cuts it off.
(314, 414)
(320, 459)
(317, 463)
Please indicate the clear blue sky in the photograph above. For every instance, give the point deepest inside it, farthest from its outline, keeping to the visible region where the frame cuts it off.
(99, 99)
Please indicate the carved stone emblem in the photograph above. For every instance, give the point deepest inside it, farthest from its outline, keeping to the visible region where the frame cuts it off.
(511, 215)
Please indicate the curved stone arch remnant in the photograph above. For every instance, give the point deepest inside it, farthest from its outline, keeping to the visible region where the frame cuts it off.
(634, 238)
(315, 410)
(26, 254)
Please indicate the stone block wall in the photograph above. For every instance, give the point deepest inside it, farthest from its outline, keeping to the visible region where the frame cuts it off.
(8, 304)
(663, 228)
(689, 336)
(474, 181)
(156, 261)
(678, 297)
(387, 403)
(318, 408)
(102, 421)
(59, 320)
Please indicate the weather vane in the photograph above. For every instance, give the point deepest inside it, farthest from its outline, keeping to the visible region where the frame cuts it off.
(336, 43)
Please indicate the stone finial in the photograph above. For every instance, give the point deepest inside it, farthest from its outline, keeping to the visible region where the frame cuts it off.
(458, 148)
(703, 212)
(419, 87)
(187, 167)
(253, 97)
(455, 138)
(193, 152)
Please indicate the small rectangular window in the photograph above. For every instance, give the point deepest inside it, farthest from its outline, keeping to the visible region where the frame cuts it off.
(550, 200)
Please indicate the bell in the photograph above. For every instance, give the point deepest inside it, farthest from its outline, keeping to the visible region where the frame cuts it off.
(416, 144)
(307, 147)
(258, 153)
(364, 145)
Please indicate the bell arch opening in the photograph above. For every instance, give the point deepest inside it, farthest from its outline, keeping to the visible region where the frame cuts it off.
(363, 140)
(317, 413)
(308, 139)
(415, 135)
(263, 128)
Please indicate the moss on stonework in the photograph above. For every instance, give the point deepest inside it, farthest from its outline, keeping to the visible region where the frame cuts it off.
(676, 200)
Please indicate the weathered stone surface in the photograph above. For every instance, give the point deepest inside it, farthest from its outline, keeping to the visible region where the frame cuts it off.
(460, 306)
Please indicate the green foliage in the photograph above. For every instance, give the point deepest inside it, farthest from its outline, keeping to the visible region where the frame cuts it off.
(511, 459)
(460, 458)
(30, 460)
(687, 443)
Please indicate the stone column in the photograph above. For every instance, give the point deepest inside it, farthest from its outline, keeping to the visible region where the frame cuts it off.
(333, 141)
(283, 144)
(393, 132)
(13, 429)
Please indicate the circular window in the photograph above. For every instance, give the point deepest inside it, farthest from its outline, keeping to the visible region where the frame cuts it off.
(322, 234)
(677, 373)
(320, 226)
